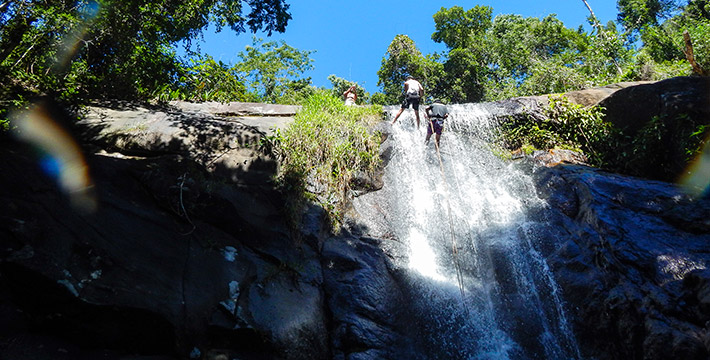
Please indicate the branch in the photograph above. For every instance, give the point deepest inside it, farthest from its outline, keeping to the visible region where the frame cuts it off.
(594, 17)
(23, 55)
(602, 33)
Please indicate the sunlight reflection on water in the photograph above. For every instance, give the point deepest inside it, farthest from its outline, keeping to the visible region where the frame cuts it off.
(422, 258)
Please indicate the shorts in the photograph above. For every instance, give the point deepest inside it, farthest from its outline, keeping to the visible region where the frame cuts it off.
(413, 100)
(437, 124)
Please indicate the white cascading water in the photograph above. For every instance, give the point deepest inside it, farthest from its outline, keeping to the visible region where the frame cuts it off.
(483, 291)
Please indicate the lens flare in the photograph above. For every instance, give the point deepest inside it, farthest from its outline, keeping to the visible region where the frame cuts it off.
(62, 159)
(696, 179)
(74, 40)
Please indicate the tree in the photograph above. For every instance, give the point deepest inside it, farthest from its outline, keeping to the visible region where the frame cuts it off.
(661, 25)
(517, 43)
(340, 85)
(403, 59)
(465, 67)
(635, 15)
(271, 68)
(511, 55)
(488, 58)
(465, 77)
(460, 29)
(204, 79)
(116, 48)
(699, 9)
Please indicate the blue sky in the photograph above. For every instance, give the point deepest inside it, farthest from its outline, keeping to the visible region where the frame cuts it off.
(351, 37)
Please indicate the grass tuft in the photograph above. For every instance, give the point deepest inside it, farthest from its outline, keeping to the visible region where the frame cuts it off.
(321, 150)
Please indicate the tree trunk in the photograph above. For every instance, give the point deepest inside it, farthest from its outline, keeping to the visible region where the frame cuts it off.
(689, 55)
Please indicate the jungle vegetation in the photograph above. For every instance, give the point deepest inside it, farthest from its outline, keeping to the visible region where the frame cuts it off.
(492, 58)
(82, 50)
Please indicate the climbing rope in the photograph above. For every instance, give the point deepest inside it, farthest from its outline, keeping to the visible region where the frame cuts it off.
(454, 248)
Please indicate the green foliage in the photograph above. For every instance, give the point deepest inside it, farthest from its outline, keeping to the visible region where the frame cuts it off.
(517, 43)
(660, 44)
(551, 76)
(661, 24)
(326, 144)
(662, 148)
(564, 125)
(700, 35)
(404, 59)
(695, 141)
(527, 149)
(272, 69)
(583, 127)
(4, 123)
(269, 72)
(636, 15)
(340, 85)
(645, 68)
(511, 55)
(111, 48)
(379, 98)
(698, 9)
(295, 92)
(460, 29)
(664, 44)
(464, 75)
(557, 59)
(464, 70)
(205, 79)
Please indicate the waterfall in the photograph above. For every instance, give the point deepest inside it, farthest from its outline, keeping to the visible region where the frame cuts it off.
(481, 288)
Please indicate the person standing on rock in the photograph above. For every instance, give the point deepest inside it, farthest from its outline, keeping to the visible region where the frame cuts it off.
(435, 113)
(413, 92)
(350, 95)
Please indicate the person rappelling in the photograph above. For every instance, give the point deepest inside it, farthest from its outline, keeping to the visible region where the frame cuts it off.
(413, 92)
(436, 113)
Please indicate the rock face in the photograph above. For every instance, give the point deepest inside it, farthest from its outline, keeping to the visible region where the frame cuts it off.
(632, 263)
(365, 300)
(665, 121)
(594, 96)
(187, 255)
(631, 108)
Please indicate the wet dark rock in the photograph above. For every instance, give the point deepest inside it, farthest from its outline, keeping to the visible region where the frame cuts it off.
(363, 182)
(629, 254)
(635, 282)
(363, 299)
